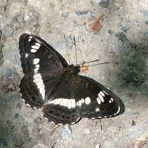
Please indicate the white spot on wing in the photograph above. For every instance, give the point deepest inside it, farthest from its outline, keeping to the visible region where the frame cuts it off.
(102, 93)
(80, 102)
(57, 101)
(111, 100)
(98, 100)
(30, 38)
(33, 50)
(101, 97)
(26, 55)
(36, 60)
(35, 46)
(64, 102)
(36, 68)
(69, 103)
(97, 109)
(73, 103)
(38, 44)
(87, 100)
(105, 92)
(37, 76)
(37, 79)
(42, 90)
(53, 101)
(61, 101)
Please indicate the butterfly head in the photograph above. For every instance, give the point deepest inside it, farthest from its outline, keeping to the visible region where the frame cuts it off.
(75, 69)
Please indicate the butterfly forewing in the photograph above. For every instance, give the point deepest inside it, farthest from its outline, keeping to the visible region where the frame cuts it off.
(41, 64)
(30, 91)
(37, 55)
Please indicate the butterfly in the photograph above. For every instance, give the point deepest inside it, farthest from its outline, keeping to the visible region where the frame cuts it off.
(56, 87)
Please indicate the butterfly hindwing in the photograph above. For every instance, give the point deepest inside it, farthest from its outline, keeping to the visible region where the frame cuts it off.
(62, 107)
(61, 114)
(94, 100)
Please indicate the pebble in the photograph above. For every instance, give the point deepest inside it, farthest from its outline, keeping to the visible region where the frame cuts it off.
(40, 146)
(17, 115)
(38, 120)
(78, 12)
(104, 3)
(146, 22)
(97, 146)
(3, 143)
(124, 28)
(66, 133)
(86, 131)
(112, 130)
(145, 12)
(7, 30)
(146, 34)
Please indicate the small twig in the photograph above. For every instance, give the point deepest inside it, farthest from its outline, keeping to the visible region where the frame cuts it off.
(54, 129)
(74, 42)
(53, 145)
(67, 48)
(101, 125)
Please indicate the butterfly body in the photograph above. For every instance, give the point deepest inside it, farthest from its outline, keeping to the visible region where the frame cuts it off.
(51, 84)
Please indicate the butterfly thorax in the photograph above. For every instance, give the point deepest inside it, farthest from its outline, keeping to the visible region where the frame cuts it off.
(71, 70)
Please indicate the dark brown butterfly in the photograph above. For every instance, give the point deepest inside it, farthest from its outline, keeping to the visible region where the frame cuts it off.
(51, 84)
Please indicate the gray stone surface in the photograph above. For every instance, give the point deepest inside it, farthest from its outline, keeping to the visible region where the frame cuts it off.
(122, 41)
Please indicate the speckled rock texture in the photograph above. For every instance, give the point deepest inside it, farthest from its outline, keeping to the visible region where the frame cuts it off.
(122, 41)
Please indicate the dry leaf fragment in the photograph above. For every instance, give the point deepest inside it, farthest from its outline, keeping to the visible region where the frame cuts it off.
(96, 26)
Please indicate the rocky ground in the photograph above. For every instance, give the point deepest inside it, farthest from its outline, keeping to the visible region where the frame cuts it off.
(120, 38)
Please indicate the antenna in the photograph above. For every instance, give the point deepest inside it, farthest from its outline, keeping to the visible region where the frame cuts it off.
(91, 61)
(99, 64)
(85, 66)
